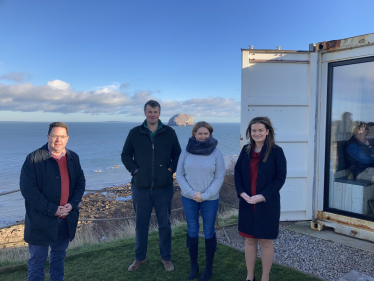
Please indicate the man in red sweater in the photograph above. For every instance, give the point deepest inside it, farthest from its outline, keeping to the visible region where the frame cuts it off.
(52, 183)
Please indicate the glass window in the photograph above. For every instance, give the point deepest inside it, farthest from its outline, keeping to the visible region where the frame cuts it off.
(349, 184)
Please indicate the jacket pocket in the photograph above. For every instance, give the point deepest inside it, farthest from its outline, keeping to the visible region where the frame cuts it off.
(163, 176)
(142, 177)
(42, 227)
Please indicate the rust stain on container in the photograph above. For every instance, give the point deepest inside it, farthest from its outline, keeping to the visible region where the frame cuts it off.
(349, 221)
(344, 43)
(329, 45)
(279, 61)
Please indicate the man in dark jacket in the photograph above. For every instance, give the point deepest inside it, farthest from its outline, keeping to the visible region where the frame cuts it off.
(52, 183)
(150, 154)
(360, 150)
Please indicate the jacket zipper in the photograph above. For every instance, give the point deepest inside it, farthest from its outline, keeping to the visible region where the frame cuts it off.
(153, 160)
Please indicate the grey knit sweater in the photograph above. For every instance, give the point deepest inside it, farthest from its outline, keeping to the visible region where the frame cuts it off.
(204, 173)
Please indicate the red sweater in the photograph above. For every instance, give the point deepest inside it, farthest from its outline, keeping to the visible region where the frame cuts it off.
(253, 172)
(65, 181)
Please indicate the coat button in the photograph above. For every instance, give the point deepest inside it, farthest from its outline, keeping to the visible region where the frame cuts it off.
(57, 177)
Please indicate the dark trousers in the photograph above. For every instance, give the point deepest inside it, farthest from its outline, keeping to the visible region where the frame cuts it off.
(144, 200)
(39, 254)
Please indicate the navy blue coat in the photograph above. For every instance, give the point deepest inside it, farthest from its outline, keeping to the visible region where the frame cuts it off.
(263, 223)
(40, 184)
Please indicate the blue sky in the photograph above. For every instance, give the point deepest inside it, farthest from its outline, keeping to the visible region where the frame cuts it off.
(64, 60)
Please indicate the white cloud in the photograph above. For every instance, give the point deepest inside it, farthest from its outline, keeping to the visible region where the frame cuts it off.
(58, 84)
(57, 96)
(107, 88)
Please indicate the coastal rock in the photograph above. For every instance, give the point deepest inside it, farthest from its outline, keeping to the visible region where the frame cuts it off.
(181, 120)
(105, 204)
(94, 205)
(12, 237)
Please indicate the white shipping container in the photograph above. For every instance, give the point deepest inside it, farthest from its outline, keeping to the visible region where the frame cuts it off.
(311, 98)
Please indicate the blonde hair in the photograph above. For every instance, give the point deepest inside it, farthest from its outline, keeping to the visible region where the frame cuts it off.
(270, 138)
(200, 124)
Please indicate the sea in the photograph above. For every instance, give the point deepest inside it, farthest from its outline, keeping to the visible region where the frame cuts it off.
(99, 146)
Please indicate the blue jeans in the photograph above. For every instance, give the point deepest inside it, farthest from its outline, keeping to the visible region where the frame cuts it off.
(144, 200)
(209, 211)
(39, 254)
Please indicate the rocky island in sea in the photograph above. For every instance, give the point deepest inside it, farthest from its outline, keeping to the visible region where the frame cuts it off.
(181, 120)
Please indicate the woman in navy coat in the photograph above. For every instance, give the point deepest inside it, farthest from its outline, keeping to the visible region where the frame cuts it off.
(260, 173)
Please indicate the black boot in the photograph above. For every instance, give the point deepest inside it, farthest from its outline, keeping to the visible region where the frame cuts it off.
(210, 249)
(193, 246)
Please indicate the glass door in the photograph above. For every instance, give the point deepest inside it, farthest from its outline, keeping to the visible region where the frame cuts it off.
(349, 174)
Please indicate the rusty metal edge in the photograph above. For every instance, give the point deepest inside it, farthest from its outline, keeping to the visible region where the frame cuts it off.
(334, 45)
(274, 51)
(345, 48)
(279, 61)
(344, 220)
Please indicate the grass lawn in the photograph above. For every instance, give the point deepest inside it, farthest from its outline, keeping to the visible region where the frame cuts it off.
(112, 263)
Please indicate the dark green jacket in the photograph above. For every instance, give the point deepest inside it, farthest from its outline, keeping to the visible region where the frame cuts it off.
(151, 158)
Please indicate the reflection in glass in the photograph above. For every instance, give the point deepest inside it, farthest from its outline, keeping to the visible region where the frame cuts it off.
(360, 150)
(351, 173)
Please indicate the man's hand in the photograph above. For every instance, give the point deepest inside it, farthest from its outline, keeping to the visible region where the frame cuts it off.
(60, 211)
(68, 207)
(256, 199)
(246, 197)
(63, 211)
(197, 197)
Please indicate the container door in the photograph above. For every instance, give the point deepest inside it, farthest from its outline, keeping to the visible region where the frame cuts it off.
(281, 85)
(347, 135)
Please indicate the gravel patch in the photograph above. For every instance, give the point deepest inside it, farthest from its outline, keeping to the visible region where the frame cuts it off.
(325, 259)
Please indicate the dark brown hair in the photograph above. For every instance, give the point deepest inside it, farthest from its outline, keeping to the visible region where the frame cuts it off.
(200, 124)
(58, 124)
(270, 141)
(152, 103)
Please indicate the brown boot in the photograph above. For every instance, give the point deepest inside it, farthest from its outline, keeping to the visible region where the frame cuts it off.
(168, 265)
(135, 265)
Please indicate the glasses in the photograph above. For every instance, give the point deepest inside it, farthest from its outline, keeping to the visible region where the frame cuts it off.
(55, 137)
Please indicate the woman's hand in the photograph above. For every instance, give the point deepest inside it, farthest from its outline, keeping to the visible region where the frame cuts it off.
(245, 196)
(197, 197)
(256, 199)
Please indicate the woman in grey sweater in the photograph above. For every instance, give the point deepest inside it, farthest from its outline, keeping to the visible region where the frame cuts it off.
(200, 174)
